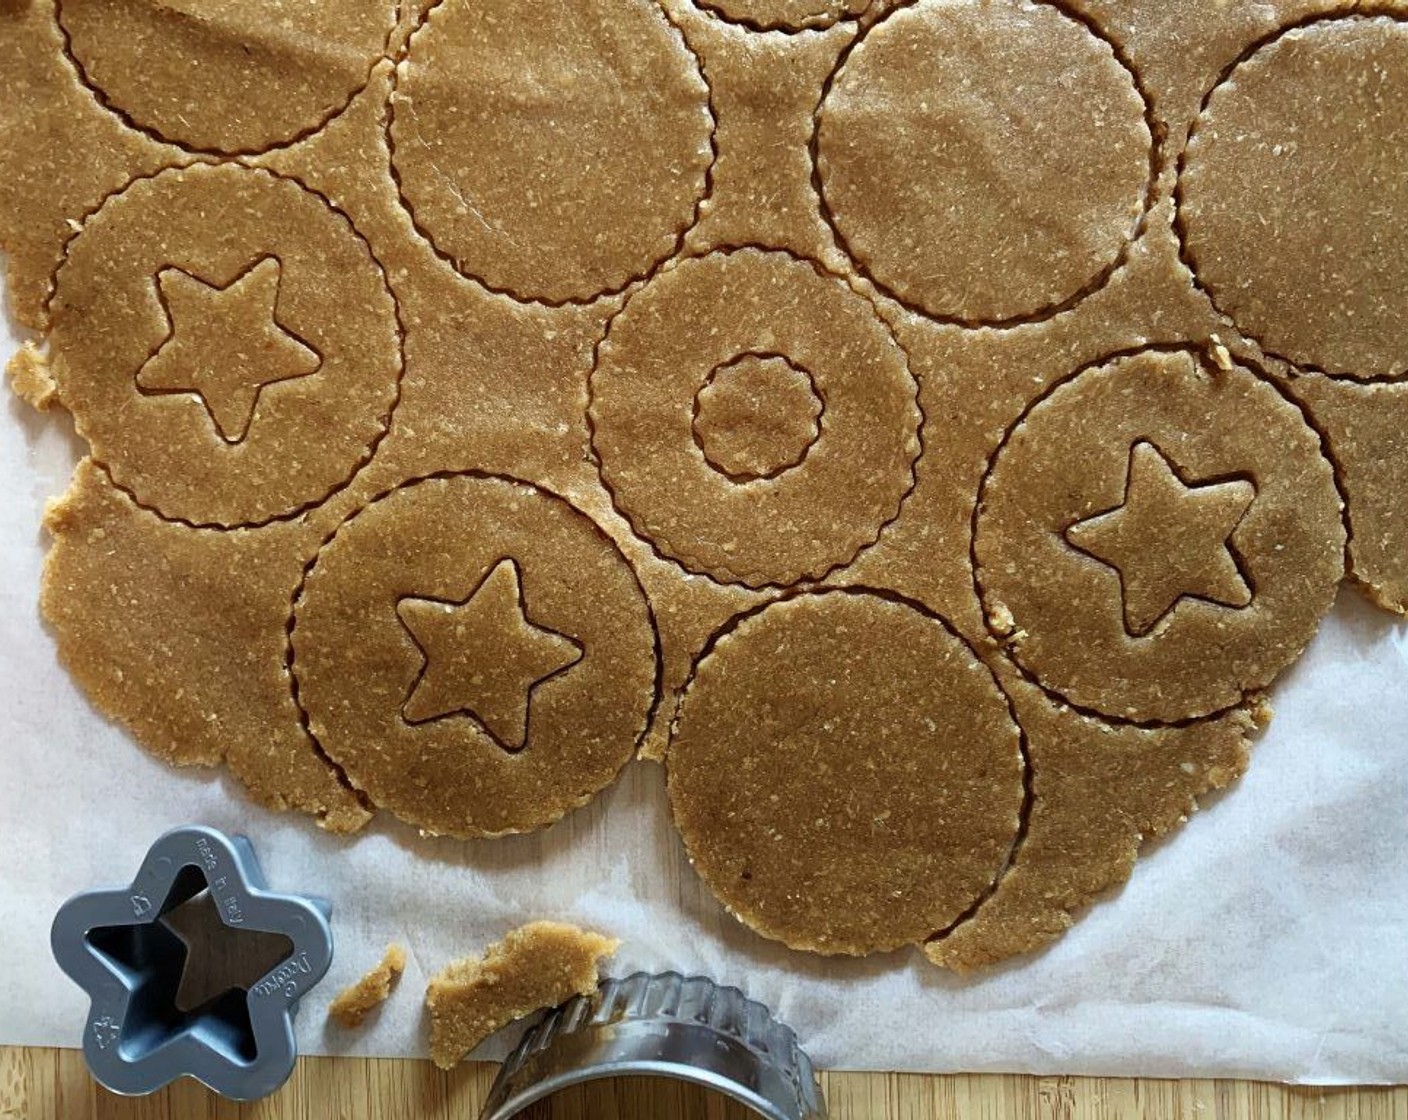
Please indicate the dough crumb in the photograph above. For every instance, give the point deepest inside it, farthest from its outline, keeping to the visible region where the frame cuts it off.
(538, 965)
(1221, 356)
(355, 1002)
(28, 371)
(1001, 620)
(1260, 708)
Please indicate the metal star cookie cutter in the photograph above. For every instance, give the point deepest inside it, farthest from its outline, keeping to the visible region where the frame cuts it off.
(665, 1025)
(113, 944)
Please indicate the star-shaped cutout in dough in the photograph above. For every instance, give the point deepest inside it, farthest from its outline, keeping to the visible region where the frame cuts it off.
(483, 656)
(226, 345)
(1169, 539)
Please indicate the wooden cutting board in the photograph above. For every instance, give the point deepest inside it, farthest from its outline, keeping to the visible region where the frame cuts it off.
(40, 1084)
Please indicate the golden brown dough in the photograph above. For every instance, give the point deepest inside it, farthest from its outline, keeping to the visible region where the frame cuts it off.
(214, 369)
(64, 154)
(226, 75)
(475, 654)
(929, 153)
(688, 326)
(30, 378)
(580, 309)
(847, 775)
(553, 151)
(492, 384)
(763, 89)
(1159, 538)
(757, 417)
(1367, 431)
(355, 1002)
(788, 15)
(535, 966)
(1292, 196)
(1098, 793)
(179, 635)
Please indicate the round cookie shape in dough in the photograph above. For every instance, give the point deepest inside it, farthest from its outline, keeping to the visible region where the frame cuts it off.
(1157, 538)
(785, 15)
(845, 772)
(969, 176)
(230, 76)
(1293, 199)
(757, 416)
(475, 653)
(554, 152)
(660, 352)
(202, 339)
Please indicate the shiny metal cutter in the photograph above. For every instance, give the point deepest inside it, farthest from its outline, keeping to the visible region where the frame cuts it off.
(113, 944)
(665, 1025)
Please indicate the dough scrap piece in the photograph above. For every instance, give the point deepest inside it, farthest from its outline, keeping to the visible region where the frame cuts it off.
(1294, 205)
(846, 773)
(455, 614)
(971, 196)
(354, 1003)
(536, 966)
(30, 377)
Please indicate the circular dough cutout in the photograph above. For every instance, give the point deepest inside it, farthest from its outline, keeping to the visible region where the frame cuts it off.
(845, 772)
(555, 616)
(1294, 197)
(970, 177)
(230, 76)
(201, 339)
(1157, 538)
(659, 354)
(757, 416)
(554, 152)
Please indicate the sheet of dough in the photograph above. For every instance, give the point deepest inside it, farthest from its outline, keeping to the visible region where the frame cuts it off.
(1264, 939)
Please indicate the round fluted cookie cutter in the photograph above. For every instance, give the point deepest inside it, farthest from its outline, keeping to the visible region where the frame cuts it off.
(663, 1025)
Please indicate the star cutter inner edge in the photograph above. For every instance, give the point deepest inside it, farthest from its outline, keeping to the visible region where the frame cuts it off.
(113, 944)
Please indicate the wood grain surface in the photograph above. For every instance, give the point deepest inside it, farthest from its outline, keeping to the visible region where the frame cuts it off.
(40, 1084)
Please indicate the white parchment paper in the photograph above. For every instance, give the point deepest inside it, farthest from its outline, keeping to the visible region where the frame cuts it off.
(1268, 938)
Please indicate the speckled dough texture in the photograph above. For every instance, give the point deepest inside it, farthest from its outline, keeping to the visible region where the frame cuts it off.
(948, 99)
(1159, 537)
(226, 75)
(534, 967)
(234, 389)
(883, 721)
(654, 371)
(554, 151)
(475, 654)
(350, 1008)
(928, 427)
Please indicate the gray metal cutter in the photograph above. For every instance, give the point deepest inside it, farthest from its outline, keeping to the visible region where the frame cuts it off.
(113, 944)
